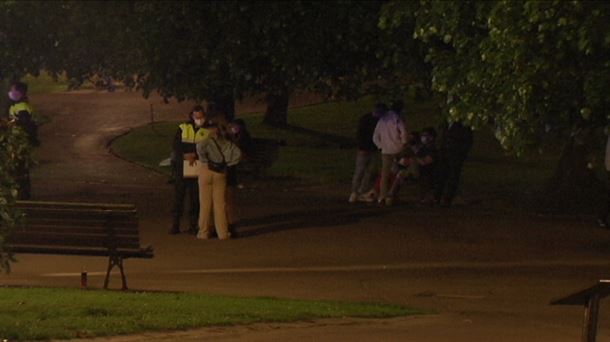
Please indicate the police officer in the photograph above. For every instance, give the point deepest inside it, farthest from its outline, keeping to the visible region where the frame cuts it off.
(189, 133)
(20, 113)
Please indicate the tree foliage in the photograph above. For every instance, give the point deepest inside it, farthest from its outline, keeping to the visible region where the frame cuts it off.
(14, 150)
(207, 50)
(27, 47)
(523, 67)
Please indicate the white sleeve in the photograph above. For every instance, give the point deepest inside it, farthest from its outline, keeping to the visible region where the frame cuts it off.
(402, 129)
(377, 135)
(201, 151)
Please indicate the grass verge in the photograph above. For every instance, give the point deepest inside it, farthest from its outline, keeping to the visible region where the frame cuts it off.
(319, 141)
(320, 149)
(44, 313)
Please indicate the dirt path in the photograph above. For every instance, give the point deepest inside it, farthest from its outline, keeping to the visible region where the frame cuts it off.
(489, 275)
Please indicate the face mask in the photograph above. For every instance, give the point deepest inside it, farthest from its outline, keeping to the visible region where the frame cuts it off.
(14, 95)
(199, 122)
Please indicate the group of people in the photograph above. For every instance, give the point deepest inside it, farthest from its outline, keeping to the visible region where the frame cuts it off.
(435, 164)
(205, 155)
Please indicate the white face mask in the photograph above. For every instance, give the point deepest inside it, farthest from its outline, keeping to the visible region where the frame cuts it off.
(199, 122)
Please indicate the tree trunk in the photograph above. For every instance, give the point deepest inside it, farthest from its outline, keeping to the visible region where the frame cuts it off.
(277, 109)
(222, 104)
(574, 184)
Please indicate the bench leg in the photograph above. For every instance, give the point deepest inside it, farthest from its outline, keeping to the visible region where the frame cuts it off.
(123, 278)
(589, 332)
(115, 261)
(110, 266)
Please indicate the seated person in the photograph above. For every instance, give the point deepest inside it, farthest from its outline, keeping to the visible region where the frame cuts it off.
(418, 163)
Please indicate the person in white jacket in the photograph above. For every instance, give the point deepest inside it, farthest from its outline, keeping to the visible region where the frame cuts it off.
(390, 137)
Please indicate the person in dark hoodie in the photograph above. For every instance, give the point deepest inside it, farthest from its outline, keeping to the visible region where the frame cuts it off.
(21, 114)
(365, 157)
(184, 150)
(456, 141)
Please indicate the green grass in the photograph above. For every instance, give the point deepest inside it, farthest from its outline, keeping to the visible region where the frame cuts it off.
(320, 149)
(43, 313)
(44, 83)
(319, 144)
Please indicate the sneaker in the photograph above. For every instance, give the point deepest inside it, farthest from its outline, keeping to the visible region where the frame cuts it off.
(352, 197)
(366, 198)
(602, 223)
(202, 236)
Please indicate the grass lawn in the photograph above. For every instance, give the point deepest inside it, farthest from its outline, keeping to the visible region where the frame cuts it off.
(320, 149)
(44, 83)
(319, 142)
(44, 313)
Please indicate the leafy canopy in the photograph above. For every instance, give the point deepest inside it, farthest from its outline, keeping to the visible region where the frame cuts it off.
(523, 67)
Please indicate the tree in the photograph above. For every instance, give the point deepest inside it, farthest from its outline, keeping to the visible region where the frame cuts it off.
(222, 51)
(28, 47)
(15, 149)
(524, 68)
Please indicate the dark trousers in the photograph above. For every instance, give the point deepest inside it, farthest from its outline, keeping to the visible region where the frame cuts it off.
(23, 181)
(449, 171)
(186, 187)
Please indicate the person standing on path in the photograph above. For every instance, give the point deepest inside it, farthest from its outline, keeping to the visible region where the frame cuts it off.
(216, 153)
(187, 136)
(390, 137)
(365, 157)
(456, 141)
(21, 113)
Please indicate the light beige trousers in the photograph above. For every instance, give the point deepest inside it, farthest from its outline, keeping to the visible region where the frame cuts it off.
(387, 160)
(212, 196)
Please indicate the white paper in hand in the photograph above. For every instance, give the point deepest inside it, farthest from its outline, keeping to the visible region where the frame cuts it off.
(191, 171)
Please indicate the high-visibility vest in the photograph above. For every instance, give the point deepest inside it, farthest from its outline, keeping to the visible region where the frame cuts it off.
(190, 136)
(19, 107)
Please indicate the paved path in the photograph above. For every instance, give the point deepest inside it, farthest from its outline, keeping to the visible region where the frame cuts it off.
(488, 275)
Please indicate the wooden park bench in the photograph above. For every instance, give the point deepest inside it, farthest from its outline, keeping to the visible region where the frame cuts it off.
(589, 298)
(87, 229)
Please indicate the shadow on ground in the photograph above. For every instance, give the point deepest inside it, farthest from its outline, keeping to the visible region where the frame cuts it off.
(335, 140)
(303, 219)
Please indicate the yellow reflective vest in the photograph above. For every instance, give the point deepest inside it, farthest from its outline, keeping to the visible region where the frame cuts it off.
(19, 107)
(190, 136)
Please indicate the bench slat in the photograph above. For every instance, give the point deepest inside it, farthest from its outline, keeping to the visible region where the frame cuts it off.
(132, 222)
(74, 240)
(124, 252)
(76, 229)
(602, 288)
(69, 213)
(49, 204)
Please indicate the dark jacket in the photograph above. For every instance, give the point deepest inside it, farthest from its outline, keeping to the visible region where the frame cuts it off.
(364, 135)
(456, 140)
(24, 119)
